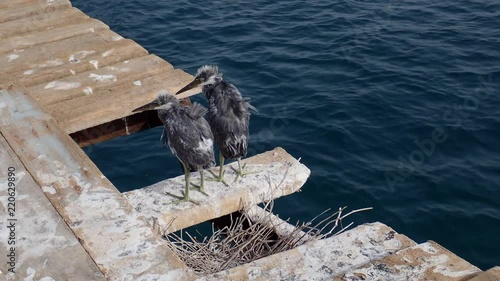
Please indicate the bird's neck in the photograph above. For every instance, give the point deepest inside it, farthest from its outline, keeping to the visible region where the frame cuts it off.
(211, 89)
(208, 88)
(163, 114)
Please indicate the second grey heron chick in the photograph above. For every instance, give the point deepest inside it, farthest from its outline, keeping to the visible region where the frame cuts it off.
(228, 115)
(187, 134)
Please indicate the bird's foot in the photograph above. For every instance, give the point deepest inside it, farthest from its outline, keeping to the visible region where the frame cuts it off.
(184, 199)
(200, 189)
(241, 172)
(181, 199)
(178, 201)
(217, 178)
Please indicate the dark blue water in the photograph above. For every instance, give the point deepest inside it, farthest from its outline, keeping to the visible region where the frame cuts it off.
(391, 104)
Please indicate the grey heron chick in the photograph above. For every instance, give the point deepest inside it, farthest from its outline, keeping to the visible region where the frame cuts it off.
(228, 115)
(187, 134)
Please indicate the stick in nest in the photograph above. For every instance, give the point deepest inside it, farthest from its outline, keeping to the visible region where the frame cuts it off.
(247, 239)
(235, 245)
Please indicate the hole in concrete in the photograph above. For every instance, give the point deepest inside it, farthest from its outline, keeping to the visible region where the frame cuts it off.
(224, 243)
(134, 161)
(116, 128)
(246, 236)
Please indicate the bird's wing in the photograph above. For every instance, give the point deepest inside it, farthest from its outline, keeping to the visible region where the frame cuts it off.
(235, 95)
(229, 119)
(189, 139)
(207, 139)
(196, 111)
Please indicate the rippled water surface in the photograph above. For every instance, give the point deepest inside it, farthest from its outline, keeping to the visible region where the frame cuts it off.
(391, 104)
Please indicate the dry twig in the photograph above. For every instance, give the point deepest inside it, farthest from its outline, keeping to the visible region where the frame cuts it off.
(247, 239)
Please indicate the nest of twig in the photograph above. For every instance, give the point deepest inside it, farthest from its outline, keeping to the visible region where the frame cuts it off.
(253, 234)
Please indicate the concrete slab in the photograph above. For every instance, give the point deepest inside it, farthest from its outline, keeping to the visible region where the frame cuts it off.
(427, 261)
(43, 245)
(69, 57)
(13, 4)
(101, 107)
(492, 274)
(89, 82)
(30, 8)
(41, 22)
(15, 45)
(123, 246)
(323, 259)
(281, 175)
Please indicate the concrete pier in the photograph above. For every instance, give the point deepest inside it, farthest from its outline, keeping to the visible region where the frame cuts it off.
(60, 73)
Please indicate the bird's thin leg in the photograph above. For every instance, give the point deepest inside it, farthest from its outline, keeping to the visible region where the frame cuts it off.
(221, 167)
(239, 165)
(201, 187)
(220, 178)
(202, 181)
(187, 179)
(187, 173)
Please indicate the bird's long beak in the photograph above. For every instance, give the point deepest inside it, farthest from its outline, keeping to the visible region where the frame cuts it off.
(193, 84)
(150, 106)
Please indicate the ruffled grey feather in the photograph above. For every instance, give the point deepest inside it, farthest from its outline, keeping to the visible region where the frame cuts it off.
(186, 132)
(196, 111)
(228, 113)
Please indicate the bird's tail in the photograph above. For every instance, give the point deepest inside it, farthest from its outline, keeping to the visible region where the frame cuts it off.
(250, 106)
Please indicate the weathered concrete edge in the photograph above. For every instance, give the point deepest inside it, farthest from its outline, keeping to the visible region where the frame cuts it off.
(322, 259)
(279, 226)
(45, 245)
(426, 261)
(122, 245)
(492, 274)
(280, 175)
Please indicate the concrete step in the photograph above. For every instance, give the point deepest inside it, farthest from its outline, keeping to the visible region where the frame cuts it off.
(323, 259)
(426, 261)
(71, 56)
(86, 83)
(101, 106)
(25, 8)
(17, 44)
(40, 22)
(277, 174)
